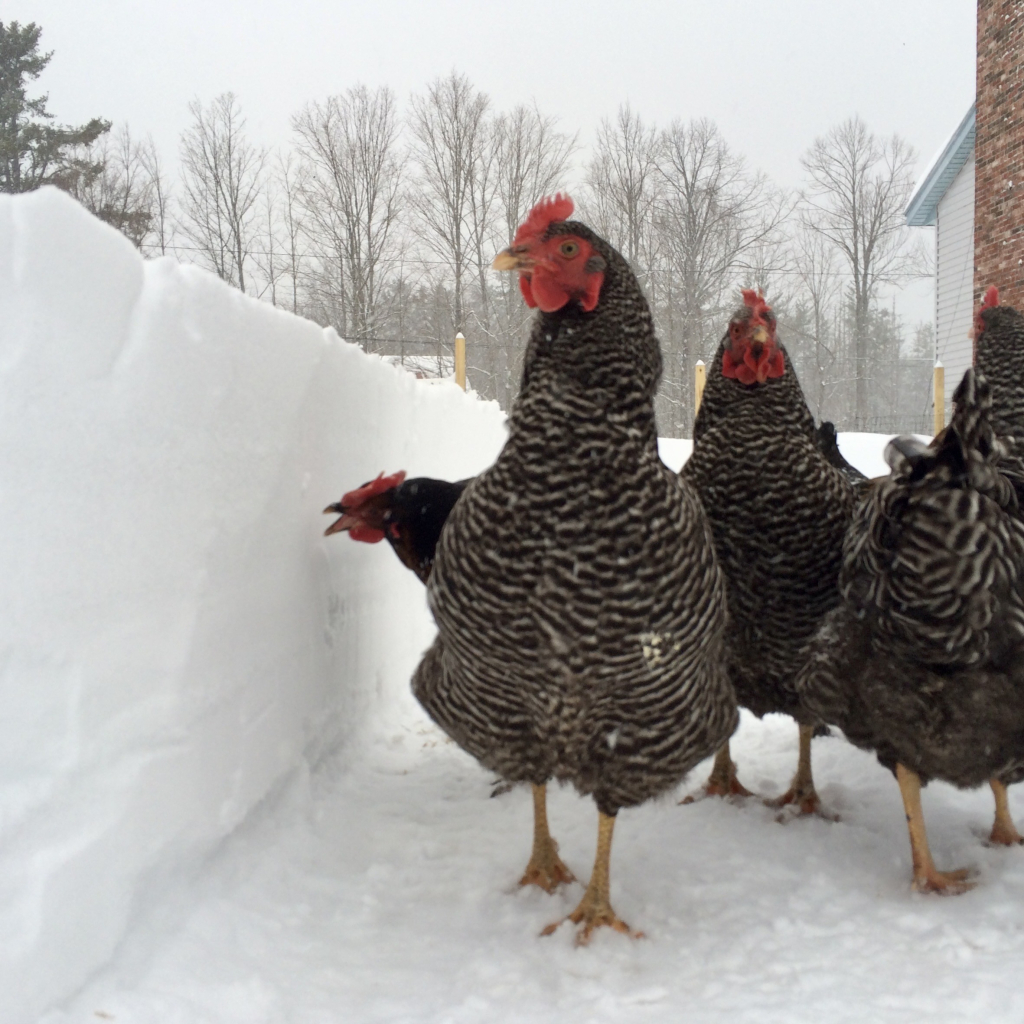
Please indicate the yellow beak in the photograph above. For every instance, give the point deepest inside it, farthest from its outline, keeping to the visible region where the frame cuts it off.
(512, 259)
(759, 334)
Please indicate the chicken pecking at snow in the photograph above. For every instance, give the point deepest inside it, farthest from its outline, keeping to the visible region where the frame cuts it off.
(778, 512)
(923, 660)
(408, 514)
(579, 606)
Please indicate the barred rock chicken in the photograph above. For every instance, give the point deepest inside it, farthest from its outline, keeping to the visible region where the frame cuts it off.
(409, 514)
(999, 354)
(778, 512)
(998, 336)
(923, 661)
(579, 605)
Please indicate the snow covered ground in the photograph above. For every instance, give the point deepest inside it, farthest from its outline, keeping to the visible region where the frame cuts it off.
(385, 892)
(219, 803)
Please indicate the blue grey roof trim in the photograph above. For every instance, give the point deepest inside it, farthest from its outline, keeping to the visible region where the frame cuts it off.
(921, 209)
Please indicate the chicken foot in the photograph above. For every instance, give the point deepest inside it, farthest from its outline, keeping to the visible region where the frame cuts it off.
(927, 878)
(545, 868)
(1004, 832)
(801, 792)
(722, 781)
(595, 909)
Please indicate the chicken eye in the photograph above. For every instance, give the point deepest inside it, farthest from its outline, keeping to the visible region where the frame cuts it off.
(569, 249)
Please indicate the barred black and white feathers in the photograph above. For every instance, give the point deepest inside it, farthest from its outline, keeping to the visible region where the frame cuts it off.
(580, 609)
(999, 355)
(778, 513)
(923, 661)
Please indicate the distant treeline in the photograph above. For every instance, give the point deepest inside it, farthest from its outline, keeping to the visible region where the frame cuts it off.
(382, 222)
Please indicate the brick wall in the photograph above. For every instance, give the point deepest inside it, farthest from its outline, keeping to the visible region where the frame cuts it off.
(999, 169)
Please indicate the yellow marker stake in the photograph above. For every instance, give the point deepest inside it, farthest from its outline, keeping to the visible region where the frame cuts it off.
(460, 360)
(698, 386)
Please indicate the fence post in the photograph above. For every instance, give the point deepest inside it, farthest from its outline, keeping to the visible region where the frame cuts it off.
(939, 397)
(460, 360)
(698, 386)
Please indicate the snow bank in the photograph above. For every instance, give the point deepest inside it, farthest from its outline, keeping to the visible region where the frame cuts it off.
(177, 635)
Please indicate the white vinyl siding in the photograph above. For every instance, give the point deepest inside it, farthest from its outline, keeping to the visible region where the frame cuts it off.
(954, 276)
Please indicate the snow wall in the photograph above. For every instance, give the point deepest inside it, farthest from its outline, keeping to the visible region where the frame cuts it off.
(177, 636)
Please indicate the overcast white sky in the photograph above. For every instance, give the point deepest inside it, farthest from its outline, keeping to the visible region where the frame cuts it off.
(774, 74)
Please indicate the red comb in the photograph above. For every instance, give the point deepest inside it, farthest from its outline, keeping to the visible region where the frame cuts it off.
(546, 212)
(755, 300)
(991, 298)
(382, 483)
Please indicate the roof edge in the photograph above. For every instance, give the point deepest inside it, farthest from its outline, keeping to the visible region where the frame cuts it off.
(923, 205)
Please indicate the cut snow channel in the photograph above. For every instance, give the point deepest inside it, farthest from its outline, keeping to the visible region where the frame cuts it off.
(177, 635)
(213, 777)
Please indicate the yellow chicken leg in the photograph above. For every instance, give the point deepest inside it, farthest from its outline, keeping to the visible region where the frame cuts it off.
(927, 878)
(545, 868)
(1004, 832)
(595, 909)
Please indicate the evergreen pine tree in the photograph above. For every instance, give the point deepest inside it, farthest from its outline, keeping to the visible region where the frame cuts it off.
(33, 151)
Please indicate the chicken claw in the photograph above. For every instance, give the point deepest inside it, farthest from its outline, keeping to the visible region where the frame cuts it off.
(1004, 832)
(595, 909)
(942, 883)
(722, 781)
(593, 912)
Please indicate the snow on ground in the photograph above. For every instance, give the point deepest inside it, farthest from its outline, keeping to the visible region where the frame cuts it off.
(219, 803)
(386, 893)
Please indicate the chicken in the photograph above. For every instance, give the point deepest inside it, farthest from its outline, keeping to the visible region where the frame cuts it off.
(999, 354)
(998, 336)
(579, 606)
(923, 660)
(778, 512)
(411, 515)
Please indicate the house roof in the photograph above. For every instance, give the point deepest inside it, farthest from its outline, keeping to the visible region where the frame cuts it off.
(922, 207)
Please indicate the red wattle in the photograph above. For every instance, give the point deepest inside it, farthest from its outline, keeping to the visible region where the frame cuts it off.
(367, 534)
(752, 370)
(593, 292)
(547, 294)
(524, 287)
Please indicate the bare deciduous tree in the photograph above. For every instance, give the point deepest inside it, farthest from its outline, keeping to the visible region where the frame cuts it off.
(456, 185)
(350, 191)
(622, 183)
(816, 263)
(118, 187)
(532, 159)
(222, 177)
(858, 190)
(161, 228)
(290, 179)
(716, 221)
